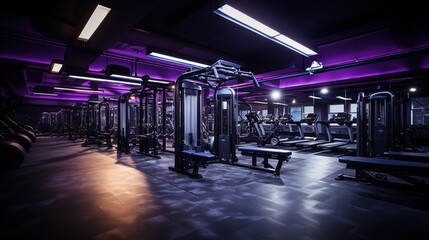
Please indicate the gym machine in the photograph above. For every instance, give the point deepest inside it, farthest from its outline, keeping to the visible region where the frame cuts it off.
(340, 119)
(77, 121)
(105, 122)
(62, 122)
(153, 117)
(378, 133)
(310, 121)
(142, 118)
(263, 136)
(190, 150)
(225, 140)
(379, 127)
(128, 112)
(91, 124)
(246, 133)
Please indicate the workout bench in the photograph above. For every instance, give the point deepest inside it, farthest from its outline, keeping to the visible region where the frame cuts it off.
(405, 170)
(199, 158)
(265, 153)
(408, 156)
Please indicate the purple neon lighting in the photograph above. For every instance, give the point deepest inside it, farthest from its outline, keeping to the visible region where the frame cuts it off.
(356, 72)
(367, 46)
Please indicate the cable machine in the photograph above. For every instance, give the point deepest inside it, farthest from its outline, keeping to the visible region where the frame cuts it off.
(381, 117)
(190, 149)
(153, 116)
(128, 117)
(142, 118)
(92, 115)
(226, 126)
(105, 122)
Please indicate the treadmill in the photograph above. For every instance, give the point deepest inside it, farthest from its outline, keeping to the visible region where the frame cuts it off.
(352, 146)
(286, 119)
(340, 119)
(318, 140)
(310, 120)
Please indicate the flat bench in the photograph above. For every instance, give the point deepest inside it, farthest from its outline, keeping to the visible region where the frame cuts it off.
(409, 156)
(405, 170)
(266, 153)
(198, 158)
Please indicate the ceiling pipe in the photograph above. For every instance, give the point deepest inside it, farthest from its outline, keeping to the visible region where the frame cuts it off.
(413, 52)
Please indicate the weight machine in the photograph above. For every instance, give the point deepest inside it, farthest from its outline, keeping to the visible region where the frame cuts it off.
(127, 121)
(92, 120)
(189, 148)
(153, 117)
(379, 136)
(106, 123)
(143, 118)
(381, 117)
(78, 121)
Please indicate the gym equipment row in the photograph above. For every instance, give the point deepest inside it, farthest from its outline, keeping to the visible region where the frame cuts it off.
(379, 145)
(94, 122)
(145, 118)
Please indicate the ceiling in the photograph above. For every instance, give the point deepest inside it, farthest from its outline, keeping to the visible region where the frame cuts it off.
(363, 45)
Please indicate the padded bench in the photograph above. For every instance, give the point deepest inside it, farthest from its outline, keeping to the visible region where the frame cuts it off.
(409, 156)
(405, 170)
(266, 153)
(198, 158)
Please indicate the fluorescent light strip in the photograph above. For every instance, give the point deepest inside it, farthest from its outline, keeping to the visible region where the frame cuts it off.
(242, 19)
(79, 90)
(103, 80)
(45, 94)
(343, 98)
(260, 102)
(295, 46)
(314, 97)
(158, 81)
(56, 67)
(176, 60)
(94, 22)
(248, 22)
(278, 103)
(126, 77)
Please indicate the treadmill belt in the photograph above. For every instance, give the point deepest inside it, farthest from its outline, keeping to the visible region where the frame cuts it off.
(312, 143)
(331, 145)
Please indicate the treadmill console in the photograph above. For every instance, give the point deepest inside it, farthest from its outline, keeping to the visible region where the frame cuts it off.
(341, 118)
(310, 119)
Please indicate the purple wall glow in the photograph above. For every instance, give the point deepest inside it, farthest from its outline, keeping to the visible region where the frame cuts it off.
(30, 51)
(373, 69)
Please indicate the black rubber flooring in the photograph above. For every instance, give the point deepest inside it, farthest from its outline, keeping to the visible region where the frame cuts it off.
(66, 191)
